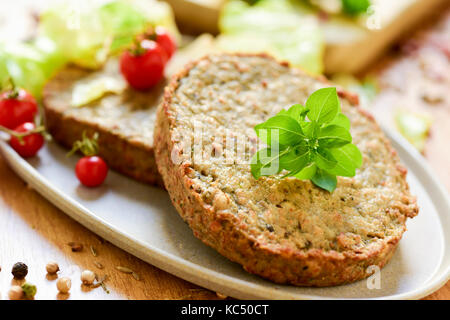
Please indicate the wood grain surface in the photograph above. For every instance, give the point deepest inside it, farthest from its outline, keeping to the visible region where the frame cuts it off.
(35, 232)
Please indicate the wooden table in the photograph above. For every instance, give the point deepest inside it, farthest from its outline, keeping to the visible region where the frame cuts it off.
(35, 232)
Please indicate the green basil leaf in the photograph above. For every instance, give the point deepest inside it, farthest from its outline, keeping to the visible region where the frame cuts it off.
(293, 111)
(310, 129)
(324, 180)
(333, 136)
(324, 159)
(307, 173)
(348, 158)
(342, 121)
(266, 162)
(323, 105)
(280, 129)
(297, 112)
(296, 159)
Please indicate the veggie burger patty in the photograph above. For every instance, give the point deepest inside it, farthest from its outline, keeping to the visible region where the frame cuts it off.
(286, 230)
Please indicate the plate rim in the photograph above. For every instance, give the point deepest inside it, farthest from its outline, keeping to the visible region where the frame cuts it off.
(189, 270)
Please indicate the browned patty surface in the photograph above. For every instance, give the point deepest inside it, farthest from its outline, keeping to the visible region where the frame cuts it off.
(124, 121)
(285, 230)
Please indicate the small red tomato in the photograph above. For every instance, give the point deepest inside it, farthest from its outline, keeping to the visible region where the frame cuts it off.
(17, 108)
(30, 144)
(166, 41)
(91, 171)
(143, 71)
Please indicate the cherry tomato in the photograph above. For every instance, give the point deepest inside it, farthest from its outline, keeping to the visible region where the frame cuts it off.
(144, 70)
(30, 144)
(166, 41)
(17, 108)
(91, 171)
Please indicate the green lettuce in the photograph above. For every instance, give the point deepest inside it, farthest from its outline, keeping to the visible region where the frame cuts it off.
(87, 33)
(30, 64)
(82, 33)
(288, 32)
(414, 126)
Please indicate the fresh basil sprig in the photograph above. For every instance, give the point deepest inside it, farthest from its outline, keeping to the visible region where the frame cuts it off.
(310, 142)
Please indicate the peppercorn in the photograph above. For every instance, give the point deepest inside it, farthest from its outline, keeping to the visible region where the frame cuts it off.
(75, 246)
(64, 284)
(52, 268)
(15, 293)
(87, 277)
(19, 270)
(29, 290)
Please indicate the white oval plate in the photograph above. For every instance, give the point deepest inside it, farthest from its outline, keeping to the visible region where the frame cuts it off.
(141, 220)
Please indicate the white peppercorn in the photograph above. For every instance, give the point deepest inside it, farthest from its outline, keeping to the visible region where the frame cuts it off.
(15, 293)
(52, 268)
(64, 284)
(87, 277)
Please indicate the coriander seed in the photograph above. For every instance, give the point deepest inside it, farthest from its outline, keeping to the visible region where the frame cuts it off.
(15, 293)
(87, 277)
(19, 270)
(52, 268)
(64, 284)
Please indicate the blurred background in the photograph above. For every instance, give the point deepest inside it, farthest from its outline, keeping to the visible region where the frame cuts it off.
(394, 54)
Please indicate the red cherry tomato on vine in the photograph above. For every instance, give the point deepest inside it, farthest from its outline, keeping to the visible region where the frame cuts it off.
(17, 107)
(143, 70)
(91, 171)
(166, 41)
(30, 144)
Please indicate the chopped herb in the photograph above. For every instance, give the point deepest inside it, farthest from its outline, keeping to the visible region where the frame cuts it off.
(124, 269)
(101, 282)
(136, 276)
(310, 142)
(93, 251)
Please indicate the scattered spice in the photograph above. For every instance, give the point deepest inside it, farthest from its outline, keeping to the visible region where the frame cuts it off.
(52, 268)
(87, 277)
(136, 276)
(15, 293)
(129, 271)
(19, 270)
(101, 282)
(221, 296)
(76, 247)
(64, 284)
(124, 269)
(29, 290)
(98, 265)
(96, 285)
(93, 251)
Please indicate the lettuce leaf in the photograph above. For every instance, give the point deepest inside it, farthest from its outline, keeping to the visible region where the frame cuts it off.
(30, 64)
(274, 26)
(414, 127)
(86, 32)
(79, 32)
